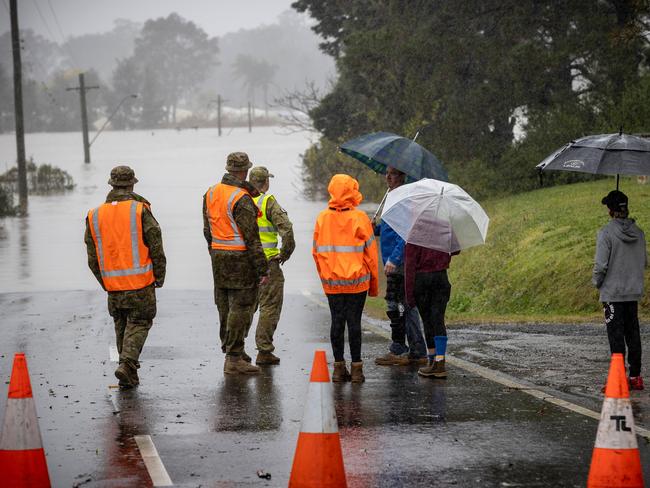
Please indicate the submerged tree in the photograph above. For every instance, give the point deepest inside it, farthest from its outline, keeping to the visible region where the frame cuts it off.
(255, 73)
(178, 54)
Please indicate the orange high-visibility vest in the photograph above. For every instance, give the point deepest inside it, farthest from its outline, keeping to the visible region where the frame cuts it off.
(345, 252)
(124, 259)
(220, 201)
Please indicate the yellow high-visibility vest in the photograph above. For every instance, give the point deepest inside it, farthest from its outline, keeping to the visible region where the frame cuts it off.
(268, 232)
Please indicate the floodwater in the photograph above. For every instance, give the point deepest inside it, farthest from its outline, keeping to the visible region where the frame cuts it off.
(45, 251)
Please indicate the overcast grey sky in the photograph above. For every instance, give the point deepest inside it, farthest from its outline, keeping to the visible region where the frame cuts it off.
(76, 17)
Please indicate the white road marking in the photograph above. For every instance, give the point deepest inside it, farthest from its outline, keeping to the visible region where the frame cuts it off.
(492, 375)
(152, 461)
(112, 352)
(111, 395)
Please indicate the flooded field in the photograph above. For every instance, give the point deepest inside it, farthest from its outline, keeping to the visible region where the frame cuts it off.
(45, 251)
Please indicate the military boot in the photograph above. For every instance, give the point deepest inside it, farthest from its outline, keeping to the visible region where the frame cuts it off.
(136, 378)
(341, 373)
(265, 357)
(245, 357)
(236, 365)
(435, 369)
(357, 372)
(390, 359)
(127, 375)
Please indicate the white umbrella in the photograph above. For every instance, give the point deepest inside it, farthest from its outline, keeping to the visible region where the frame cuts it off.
(437, 215)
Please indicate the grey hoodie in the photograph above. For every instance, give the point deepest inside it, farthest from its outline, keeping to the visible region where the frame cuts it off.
(620, 261)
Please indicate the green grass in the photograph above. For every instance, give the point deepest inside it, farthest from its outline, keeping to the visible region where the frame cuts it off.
(537, 261)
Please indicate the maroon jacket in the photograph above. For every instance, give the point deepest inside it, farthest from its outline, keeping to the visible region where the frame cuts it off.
(418, 259)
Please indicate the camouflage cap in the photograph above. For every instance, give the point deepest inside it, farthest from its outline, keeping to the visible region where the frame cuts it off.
(259, 173)
(238, 161)
(122, 176)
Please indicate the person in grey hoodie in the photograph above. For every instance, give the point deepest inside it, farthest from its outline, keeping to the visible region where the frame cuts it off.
(618, 274)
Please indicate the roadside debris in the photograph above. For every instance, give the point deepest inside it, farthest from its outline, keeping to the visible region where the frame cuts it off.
(263, 474)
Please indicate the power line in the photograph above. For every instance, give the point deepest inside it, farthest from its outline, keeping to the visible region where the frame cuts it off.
(63, 41)
(56, 21)
(70, 55)
(40, 14)
(34, 59)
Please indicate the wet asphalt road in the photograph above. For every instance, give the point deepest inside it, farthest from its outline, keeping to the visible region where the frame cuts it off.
(397, 429)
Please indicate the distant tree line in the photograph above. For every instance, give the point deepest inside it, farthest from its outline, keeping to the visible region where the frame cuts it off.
(493, 86)
(170, 63)
(171, 57)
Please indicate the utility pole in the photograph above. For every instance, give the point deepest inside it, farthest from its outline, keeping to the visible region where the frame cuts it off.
(250, 122)
(18, 109)
(82, 88)
(219, 101)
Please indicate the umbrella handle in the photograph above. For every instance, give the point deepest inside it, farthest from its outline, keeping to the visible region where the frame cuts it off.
(379, 209)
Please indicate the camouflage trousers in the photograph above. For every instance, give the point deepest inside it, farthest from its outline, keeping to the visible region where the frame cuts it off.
(236, 308)
(270, 305)
(133, 313)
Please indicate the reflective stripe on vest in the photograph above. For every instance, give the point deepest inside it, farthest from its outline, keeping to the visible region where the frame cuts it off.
(357, 281)
(116, 274)
(360, 248)
(268, 232)
(225, 231)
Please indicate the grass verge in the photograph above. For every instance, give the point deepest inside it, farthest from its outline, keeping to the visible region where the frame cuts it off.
(537, 261)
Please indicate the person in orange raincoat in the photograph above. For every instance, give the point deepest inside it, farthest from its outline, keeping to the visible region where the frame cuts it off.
(345, 252)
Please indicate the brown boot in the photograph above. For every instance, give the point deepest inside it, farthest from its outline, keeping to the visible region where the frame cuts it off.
(390, 359)
(435, 369)
(236, 365)
(341, 373)
(127, 375)
(357, 372)
(264, 357)
(245, 357)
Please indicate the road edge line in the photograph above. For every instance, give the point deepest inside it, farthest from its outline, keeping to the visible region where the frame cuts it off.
(152, 461)
(495, 376)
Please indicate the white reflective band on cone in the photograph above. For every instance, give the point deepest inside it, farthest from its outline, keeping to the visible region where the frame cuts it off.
(20, 429)
(319, 416)
(616, 427)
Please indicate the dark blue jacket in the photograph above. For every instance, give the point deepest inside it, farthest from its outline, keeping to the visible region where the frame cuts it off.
(392, 245)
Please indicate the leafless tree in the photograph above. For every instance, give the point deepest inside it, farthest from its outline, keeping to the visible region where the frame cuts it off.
(295, 107)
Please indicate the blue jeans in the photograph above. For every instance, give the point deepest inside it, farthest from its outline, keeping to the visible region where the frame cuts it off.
(413, 330)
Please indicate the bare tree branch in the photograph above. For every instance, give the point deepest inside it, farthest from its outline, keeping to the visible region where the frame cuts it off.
(295, 108)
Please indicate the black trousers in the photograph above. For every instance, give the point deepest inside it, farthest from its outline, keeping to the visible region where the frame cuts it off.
(432, 292)
(622, 321)
(346, 308)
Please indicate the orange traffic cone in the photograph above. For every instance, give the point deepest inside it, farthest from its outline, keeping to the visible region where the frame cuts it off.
(616, 462)
(22, 459)
(318, 460)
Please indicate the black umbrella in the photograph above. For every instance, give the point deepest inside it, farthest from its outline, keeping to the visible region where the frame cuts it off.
(379, 150)
(604, 154)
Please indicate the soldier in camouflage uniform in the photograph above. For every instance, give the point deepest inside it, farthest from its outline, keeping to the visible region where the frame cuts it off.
(273, 221)
(237, 273)
(132, 310)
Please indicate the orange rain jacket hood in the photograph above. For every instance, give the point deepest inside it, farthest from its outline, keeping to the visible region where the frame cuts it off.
(344, 192)
(344, 248)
